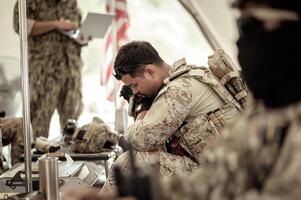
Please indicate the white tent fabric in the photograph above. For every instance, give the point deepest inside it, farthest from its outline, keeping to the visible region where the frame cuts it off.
(221, 21)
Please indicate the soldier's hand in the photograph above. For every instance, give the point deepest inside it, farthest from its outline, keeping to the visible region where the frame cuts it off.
(64, 25)
(82, 40)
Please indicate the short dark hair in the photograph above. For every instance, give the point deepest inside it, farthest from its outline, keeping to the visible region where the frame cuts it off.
(133, 55)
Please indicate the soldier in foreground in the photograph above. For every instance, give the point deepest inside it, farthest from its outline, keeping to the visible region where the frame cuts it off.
(189, 109)
(258, 157)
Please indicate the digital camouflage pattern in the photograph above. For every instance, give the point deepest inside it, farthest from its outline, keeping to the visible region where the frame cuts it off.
(258, 157)
(168, 165)
(94, 137)
(180, 108)
(54, 65)
(12, 133)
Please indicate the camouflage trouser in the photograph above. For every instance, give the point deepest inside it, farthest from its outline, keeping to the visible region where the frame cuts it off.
(12, 133)
(168, 165)
(54, 88)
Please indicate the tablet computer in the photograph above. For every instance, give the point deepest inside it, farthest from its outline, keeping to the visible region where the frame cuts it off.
(95, 25)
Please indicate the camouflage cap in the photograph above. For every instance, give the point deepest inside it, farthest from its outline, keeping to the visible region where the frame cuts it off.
(94, 137)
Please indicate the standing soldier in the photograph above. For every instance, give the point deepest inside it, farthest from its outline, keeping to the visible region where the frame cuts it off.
(54, 61)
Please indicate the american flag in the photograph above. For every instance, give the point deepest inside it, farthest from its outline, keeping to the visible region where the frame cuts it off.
(121, 24)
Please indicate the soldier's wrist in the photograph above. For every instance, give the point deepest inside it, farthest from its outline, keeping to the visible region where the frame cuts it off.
(55, 24)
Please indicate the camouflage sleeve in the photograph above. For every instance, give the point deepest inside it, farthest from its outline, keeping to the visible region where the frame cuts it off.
(30, 12)
(164, 117)
(243, 166)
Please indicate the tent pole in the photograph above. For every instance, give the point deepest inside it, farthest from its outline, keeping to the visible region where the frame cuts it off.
(25, 93)
(187, 4)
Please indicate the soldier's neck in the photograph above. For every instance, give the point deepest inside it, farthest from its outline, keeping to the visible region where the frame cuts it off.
(165, 71)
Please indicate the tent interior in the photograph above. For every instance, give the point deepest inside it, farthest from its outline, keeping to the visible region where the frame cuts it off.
(171, 26)
(166, 24)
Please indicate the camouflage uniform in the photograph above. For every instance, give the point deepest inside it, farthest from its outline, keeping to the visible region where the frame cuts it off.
(54, 65)
(258, 157)
(181, 107)
(12, 133)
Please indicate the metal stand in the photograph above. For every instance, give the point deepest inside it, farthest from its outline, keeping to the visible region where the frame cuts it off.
(25, 92)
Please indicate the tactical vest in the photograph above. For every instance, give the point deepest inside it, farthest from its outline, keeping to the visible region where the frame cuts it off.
(213, 122)
(228, 77)
(204, 75)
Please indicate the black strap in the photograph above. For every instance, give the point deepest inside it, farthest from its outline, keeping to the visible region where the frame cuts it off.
(81, 134)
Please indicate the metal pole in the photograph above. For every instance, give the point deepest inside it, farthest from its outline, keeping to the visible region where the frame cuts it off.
(203, 26)
(25, 92)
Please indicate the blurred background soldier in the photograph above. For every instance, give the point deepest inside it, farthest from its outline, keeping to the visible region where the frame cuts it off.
(12, 133)
(258, 157)
(187, 112)
(54, 62)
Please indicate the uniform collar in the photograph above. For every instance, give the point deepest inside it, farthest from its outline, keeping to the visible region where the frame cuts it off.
(177, 69)
(177, 65)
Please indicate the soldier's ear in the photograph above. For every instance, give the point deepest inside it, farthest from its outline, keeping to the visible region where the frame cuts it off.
(149, 70)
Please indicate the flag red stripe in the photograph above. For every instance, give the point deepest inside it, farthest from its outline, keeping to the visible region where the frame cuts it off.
(108, 41)
(121, 18)
(120, 14)
(109, 72)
